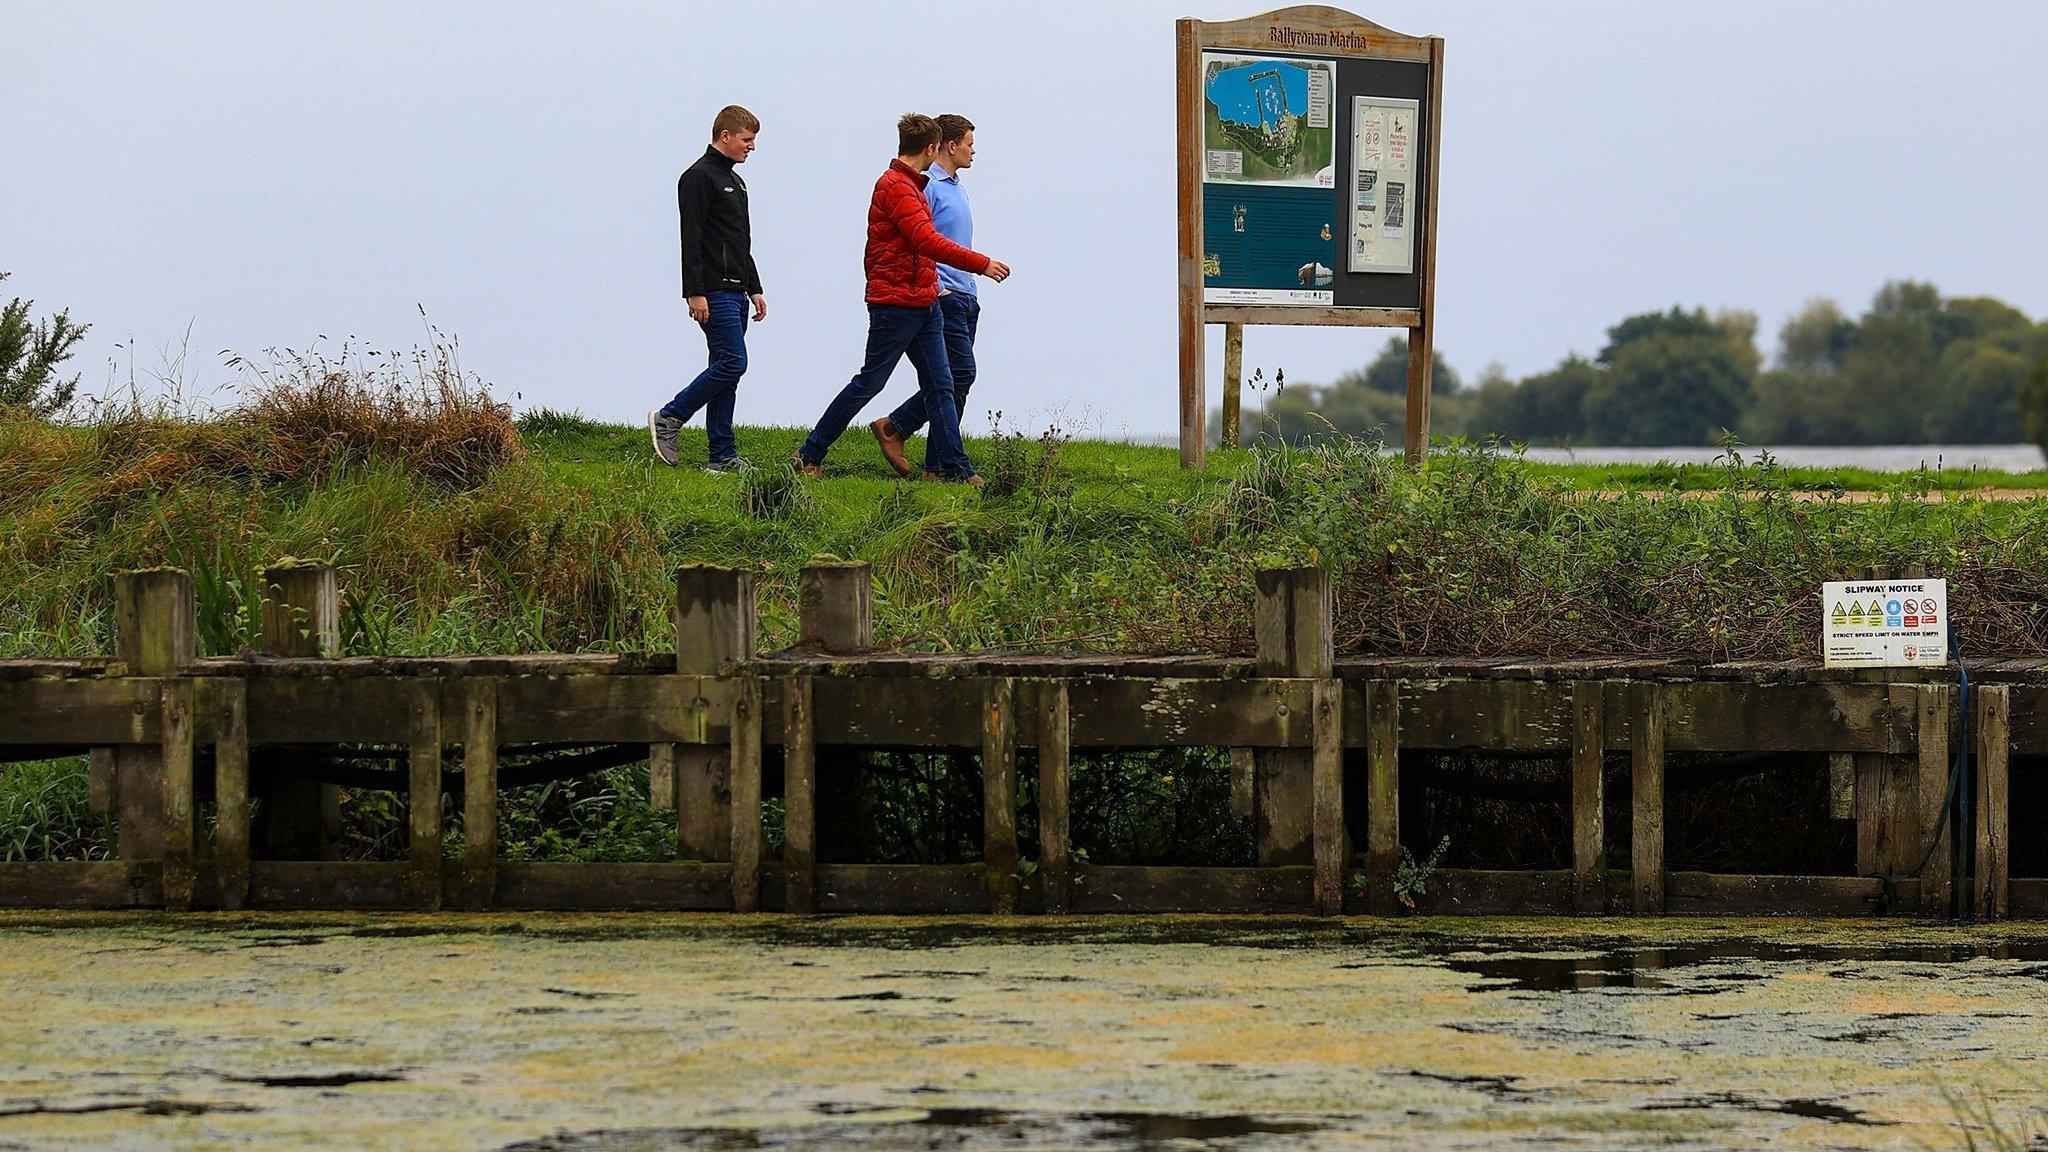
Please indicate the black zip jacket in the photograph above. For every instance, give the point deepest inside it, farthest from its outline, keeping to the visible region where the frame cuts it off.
(717, 242)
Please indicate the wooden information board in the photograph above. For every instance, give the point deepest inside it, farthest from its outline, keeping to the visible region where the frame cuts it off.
(1308, 146)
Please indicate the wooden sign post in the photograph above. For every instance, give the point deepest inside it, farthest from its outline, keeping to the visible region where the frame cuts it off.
(1308, 146)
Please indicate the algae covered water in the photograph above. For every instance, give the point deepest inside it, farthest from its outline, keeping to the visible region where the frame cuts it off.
(635, 1032)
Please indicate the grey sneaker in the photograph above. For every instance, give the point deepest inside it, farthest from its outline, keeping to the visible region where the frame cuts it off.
(664, 429)
(735, 465)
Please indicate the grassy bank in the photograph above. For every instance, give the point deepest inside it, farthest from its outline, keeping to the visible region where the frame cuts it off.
(564, 537)
(457, 532)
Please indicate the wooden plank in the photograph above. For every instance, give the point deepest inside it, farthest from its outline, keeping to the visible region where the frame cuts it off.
(1233, 382)
(1646, 840)
(1484, 715)
(835, 607)
(799, 797)
(746, 795)
(330, 884)
(1713, 716)
(1179, 713)
(901, 888)
(1188, 111)
(1314, 29)
(316, 709)
(613, 886)
(1993, 705)
(1332, 846)
(100, 713)
(423, 758)
(1491, 892)
(1711, 894)
(81, 883)
(229, 700)
(2026, 897)
(999, 795)
(1055, 851)
(1382, 795)
(1297, 315)
(1589, 797)
(480, 740)
(2029, 705)
(1935, 702)
(1100, 888)
(604, 709)
(180, 815)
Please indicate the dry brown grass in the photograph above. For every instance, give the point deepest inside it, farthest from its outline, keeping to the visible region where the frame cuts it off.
(314, 410)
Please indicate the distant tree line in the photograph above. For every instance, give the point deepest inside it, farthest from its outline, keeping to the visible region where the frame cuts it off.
(1915, 368)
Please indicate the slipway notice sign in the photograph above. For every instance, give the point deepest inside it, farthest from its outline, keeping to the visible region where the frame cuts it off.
(1884, 623)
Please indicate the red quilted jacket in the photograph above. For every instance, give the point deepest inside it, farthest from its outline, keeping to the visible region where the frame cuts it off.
(903, 244)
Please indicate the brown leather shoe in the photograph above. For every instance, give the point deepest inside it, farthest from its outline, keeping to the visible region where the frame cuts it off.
(806, 468)
(891, 441)
(971, 481)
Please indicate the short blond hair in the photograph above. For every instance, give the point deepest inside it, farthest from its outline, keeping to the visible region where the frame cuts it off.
(733, 118)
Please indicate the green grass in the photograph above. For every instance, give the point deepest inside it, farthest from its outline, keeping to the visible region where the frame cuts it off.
(573, 543)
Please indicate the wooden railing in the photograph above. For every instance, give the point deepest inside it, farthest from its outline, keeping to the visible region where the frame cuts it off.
(1304, 728)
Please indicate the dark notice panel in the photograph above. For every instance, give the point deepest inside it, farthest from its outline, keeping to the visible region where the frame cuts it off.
(1406, 80)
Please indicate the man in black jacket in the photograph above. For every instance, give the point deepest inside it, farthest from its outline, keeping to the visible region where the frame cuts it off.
(720, 284)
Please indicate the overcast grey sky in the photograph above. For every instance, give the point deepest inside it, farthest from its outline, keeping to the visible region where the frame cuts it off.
(272, 172)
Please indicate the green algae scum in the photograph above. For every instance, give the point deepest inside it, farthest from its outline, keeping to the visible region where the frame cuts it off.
(646, 1032)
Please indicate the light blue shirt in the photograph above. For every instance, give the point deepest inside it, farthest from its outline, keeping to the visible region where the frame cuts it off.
(955, 221)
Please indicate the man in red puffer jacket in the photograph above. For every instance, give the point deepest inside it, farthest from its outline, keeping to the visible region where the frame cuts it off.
(903, 254)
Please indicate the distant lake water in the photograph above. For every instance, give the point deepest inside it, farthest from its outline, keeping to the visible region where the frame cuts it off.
(1877, 458)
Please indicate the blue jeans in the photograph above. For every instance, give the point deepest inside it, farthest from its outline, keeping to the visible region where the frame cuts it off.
(962, 315)
(714, 389)
(893, 333)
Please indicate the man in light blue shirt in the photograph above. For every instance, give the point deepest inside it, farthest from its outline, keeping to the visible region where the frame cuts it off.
(958, 303)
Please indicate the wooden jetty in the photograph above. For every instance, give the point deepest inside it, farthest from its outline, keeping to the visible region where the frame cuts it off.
(1320, 742)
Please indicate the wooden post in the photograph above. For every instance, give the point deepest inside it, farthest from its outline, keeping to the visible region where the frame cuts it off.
(99, 782)
(423, 757)
(480, 796)
(1055, 750)
(1992, 735)
(835, 601)
(1331, 845)
(1292, 623)
(1422, 337)
(1382, 795)
(999, 795)
(301, 619)
(1646, 840)
(714, 637)
(799, 796)
(154, 635)
(1233, 382)
(229, 697)
(1244, 778)
(1589, 797)
(1188, 112)
(180, 730)
(1889, 836)
(1935, 703)
(661, 776)
(1841, 786)
(745, 830)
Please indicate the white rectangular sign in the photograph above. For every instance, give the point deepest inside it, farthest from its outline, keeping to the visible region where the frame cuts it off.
(1382, 191)
(1884, 623)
